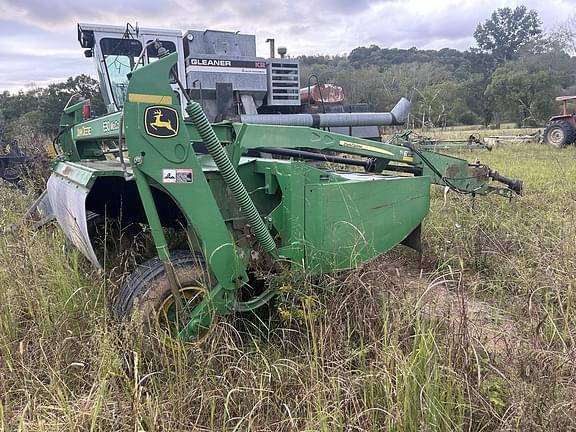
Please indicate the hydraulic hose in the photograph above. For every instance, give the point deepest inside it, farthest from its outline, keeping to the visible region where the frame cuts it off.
(230, 175)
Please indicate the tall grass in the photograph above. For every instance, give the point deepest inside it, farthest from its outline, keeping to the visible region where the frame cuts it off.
(478, 334)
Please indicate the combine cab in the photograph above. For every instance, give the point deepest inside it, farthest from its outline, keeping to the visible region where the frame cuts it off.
(561, 129)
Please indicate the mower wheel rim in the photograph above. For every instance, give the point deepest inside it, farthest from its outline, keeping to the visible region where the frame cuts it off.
(191, 296)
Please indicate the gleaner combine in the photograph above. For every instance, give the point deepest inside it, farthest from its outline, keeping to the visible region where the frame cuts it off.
(259, 192)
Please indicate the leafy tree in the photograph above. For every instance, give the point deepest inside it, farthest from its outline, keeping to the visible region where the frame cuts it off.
(524, 96)
(55, 97)
(507, 31)
(478, 105)
(445, 104)
(564, 35)
(322, 59)
(13, 106)
(383, 57)
(39, 109)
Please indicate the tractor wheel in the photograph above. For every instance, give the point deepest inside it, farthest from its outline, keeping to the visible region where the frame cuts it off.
(559, 134)
(146, 293)
(11, 174)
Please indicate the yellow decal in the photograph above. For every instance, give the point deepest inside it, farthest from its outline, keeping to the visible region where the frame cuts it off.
(84, 131)
(148, 98)
(161, 121)
(365, 147)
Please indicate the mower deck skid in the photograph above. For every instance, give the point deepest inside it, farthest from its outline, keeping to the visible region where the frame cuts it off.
(68, 187)
(351, 221)
(68, 202)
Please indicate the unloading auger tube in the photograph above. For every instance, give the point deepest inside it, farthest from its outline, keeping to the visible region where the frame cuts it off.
(397, 116)
(230, 175)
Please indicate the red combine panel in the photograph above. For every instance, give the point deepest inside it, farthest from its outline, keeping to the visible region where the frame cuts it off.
(327, 93)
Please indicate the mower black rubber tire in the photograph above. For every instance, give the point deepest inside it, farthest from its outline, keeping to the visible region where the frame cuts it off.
(147, 287)
(11, 174)
(559, 133)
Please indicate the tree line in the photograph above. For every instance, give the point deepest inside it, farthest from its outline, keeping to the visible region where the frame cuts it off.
(513, 75)
(36, 112)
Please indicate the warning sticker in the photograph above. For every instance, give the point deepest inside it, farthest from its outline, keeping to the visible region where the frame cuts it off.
(181, 175)
(407, 156)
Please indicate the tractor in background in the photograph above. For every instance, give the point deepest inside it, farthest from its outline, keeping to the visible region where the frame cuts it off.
(561, 129)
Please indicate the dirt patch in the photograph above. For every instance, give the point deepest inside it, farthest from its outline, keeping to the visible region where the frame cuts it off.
(449, 297)
(485, 325)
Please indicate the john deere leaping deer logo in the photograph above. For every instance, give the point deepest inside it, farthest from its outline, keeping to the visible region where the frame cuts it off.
(161, 121)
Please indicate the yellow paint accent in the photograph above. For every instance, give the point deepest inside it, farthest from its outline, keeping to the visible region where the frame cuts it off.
(147, 98)
(365, 147)
(408, 159)
(84, 131)
(50, 151)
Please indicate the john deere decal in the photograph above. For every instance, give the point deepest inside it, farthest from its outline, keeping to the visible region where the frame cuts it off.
(161, 121)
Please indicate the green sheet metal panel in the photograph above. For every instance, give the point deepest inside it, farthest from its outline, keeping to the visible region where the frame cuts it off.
(85, 173)
(360, 217)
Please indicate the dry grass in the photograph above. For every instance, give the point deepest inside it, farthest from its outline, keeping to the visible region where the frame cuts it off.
(478, 335)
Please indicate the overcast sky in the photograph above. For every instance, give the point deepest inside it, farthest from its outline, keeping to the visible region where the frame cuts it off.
(38, 42)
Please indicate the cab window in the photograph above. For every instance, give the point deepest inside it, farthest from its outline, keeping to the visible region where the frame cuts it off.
(152, 53)
(120, 56)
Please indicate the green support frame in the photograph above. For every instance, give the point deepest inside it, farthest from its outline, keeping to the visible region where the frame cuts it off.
(322, 220)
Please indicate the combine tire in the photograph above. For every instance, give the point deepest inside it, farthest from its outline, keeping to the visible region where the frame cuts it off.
(147, 292)
(559, 134)
(11, 174)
